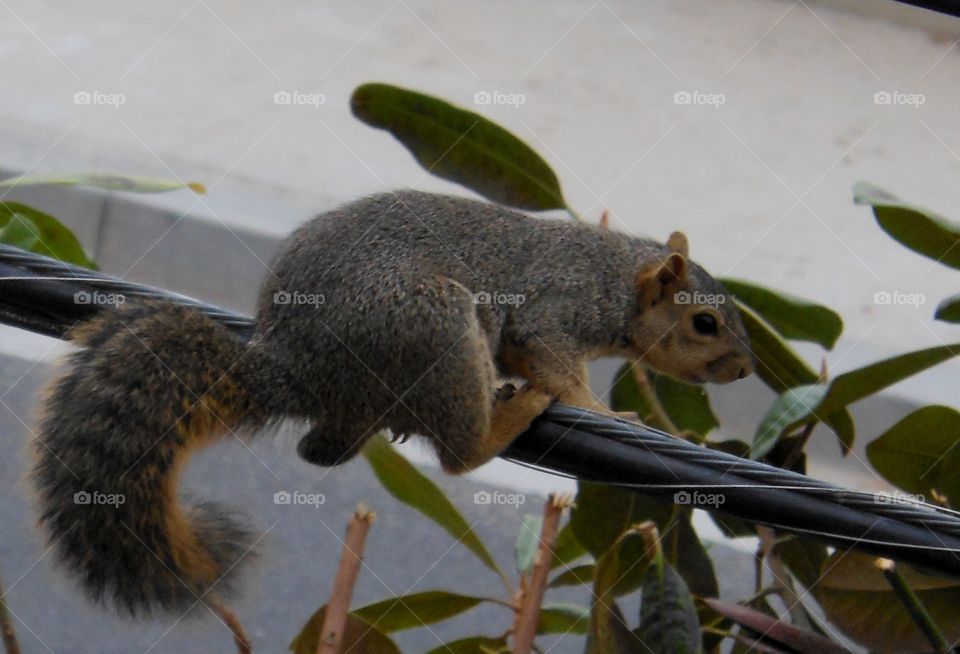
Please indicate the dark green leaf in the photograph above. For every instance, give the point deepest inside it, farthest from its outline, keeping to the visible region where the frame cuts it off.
(810, 404)
(786, 412)
(687, 405)
(668, 617)
(602, 513)
(920, 453)
(857, 384)
(803, 557)
(415, 610)
(563, 619)
(858, 600)
(128, 183)
(609, 634)
(920, 230)
(461, 146)
(841, 422)
(528, 542)
(581, 574)
(949, 309)
(359, 636)
(474, 645)
(567, 548)
(795, 318)
(777, 364)
(53, 238)
(414, 489)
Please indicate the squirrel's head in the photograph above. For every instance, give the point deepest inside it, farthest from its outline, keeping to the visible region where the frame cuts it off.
(687, 324)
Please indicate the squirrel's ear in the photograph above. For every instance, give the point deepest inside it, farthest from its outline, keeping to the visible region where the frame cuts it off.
(655, 282)
(678, 243)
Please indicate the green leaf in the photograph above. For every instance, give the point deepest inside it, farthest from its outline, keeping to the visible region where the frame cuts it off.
(609, 634)
(414, 489)
(21, 232)
(461, 146)
(857, 384)
(857, 599)
(787, 411)
(415, 610)
(130, 183)
(778, 365)
(53, 238)
(567, 548)
(359, 636)
(804, 557)
(920, 454)
(603, 513)
(811, 403)
(576, 576)
(625, 554)
(528, 542)
(687, 405)
(563, 619)
(949, 309)
(668, 617)
(922, 231)
(473, 645)
(794, 318)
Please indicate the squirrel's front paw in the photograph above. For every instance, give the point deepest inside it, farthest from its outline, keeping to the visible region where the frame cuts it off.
(629, 416)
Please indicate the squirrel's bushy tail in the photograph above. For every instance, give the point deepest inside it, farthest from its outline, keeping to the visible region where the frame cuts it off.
(152, 382)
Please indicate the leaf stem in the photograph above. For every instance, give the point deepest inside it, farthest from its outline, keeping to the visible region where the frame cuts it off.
(915, 607)
(528, 617)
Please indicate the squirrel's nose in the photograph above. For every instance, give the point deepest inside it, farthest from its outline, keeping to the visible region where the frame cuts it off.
(742, 374)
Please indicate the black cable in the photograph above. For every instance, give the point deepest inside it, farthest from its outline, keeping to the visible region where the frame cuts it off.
(47, 296)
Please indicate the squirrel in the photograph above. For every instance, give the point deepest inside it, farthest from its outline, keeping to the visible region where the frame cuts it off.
(400, 311)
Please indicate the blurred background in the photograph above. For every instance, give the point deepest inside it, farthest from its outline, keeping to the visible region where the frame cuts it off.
(743, 123)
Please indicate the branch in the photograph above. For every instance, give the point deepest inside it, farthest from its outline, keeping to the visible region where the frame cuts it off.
(10, 644)
(335, 617)
(914, 607)
(229, 618)
(525, 629)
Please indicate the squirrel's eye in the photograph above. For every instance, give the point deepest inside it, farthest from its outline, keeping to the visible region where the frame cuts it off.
(705, 323)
